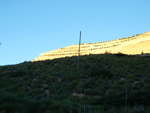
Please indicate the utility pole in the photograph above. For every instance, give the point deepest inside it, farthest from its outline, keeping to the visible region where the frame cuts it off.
(79, 52)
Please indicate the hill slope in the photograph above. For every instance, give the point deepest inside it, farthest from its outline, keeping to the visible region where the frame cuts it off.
(36, 86)
(130, 45)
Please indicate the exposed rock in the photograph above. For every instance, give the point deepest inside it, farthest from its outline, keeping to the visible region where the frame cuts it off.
(131, 45)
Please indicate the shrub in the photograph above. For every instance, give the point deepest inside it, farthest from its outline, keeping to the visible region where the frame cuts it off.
(136, 87)
(79, 87)
(70, 78)
(102, 72)
(139, 109)
(16, 74)
(147, 87)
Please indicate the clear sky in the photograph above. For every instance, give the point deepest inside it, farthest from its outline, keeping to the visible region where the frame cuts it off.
(31, 27)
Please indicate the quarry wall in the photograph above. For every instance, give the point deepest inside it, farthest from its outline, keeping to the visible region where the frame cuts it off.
(112, 46)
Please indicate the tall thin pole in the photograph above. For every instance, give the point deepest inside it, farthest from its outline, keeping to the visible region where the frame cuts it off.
(79, 52)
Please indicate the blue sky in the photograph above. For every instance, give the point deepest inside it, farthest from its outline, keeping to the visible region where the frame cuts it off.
(31, 27)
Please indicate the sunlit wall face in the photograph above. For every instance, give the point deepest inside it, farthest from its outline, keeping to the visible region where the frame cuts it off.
(136, 44)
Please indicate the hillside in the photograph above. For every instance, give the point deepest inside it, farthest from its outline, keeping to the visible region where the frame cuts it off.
(54, 86)
(130, 45)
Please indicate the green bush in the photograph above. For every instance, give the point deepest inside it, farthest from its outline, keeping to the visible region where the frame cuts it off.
(139, 109)
(97, 71)
(147, 87)
(79, 87)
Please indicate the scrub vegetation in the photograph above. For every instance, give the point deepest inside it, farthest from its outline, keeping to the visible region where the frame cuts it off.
(99, 86)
